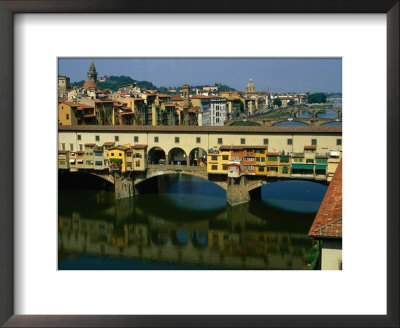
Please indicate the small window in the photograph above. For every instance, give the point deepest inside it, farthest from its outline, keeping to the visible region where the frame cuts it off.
(97, 138)
(198, 140)
(225, 157)
(67, 116)
(63, 146)
(314, 142)
(219, 141)
(290, 141)
(214, 167)
(79, 137)
(120, 154)
(135, 139)
(71, 146)
(112, 154)
(214, 158)
(155, 139)
(265, 141)
(80, 147)
(338, 142)
(116, 138)
(225, 167)
(242, 141)
(176, 139)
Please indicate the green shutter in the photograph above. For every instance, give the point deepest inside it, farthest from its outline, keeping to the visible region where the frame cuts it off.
(320, 167)
(303, 166)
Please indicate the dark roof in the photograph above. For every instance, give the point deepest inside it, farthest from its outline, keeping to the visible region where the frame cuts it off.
(110, 143)
(227, 147)
(139, 146)
(310, 147)
(216, 129)
(328, 222)
(90, 144)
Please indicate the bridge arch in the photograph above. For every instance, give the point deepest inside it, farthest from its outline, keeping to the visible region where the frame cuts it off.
(278, 123)
(317, 111)
(296, 112)
(198, 157)
(177, 156)
(155, 154)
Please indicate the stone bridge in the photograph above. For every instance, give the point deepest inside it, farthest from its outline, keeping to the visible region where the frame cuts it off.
(291, 115)
(238, 190)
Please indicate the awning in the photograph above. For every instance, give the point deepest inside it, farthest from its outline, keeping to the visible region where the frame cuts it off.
(72, 160)
(303, 166)
(320, 167)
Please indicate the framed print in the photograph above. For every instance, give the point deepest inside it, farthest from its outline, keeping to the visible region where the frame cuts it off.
(38, 293)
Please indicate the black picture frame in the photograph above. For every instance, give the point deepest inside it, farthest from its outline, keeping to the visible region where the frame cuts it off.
(10, 7)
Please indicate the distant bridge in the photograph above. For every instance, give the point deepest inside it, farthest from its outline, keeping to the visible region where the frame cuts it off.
(291, 115)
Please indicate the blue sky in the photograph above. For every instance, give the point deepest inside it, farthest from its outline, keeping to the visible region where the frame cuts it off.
(277, 74)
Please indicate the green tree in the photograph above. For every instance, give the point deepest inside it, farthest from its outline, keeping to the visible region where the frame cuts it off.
(277, 102)
(316, 98)
(290, 102)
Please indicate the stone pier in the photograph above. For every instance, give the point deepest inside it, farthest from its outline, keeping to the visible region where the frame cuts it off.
(237, 191)
(123, 185)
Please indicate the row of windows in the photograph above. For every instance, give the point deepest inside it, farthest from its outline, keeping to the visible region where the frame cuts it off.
(220, 140)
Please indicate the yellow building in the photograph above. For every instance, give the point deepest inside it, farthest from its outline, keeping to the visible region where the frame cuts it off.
(63, 156)
(284, 165)
(67, 113)
(273, 164)
(261, 160)
(139, 157)
(218, 160)
(117, 157)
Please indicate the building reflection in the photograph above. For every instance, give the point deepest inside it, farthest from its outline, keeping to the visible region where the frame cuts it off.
(230, 239)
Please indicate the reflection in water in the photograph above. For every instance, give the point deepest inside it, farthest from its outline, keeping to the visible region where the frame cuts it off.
(188, 225)
(290, 123)
(327, 113)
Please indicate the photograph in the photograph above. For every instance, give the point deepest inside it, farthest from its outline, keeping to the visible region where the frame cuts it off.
(199, 163)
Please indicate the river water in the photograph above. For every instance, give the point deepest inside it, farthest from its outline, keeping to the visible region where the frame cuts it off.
(187, 225)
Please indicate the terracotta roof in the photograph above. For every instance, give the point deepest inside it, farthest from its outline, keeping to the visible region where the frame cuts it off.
(139, 146)
(109, 144)
(89, 85)
(272, 154)
(162, 95)
(335, 130)
(121, 147)
(97, 150)
(72, 104)
(89, 115)
(176, 97)
(63, 151)
(90, 144)
(102, 101)
(328, 222)
(310, 147)
(80, 152)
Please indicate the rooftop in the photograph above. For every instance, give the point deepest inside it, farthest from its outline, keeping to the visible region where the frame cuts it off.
(336, 130)
(328, 222)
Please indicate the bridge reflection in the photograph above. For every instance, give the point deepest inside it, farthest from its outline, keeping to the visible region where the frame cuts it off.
(231, 238)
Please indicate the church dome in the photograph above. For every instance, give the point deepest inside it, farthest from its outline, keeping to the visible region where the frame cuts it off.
(250, 84)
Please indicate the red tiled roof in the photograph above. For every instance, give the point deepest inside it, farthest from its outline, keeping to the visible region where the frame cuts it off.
(110, 143)
(89, 85)
(90, 144)
(139, 146)
(272, 154)
(328, 222)
(176, 97)
(80, 152)
(121, 147)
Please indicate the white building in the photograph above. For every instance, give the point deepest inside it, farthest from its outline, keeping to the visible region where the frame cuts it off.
(217, 111)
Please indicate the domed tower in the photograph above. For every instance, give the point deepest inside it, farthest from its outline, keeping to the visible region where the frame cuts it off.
(250, 87)
(92, 77)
